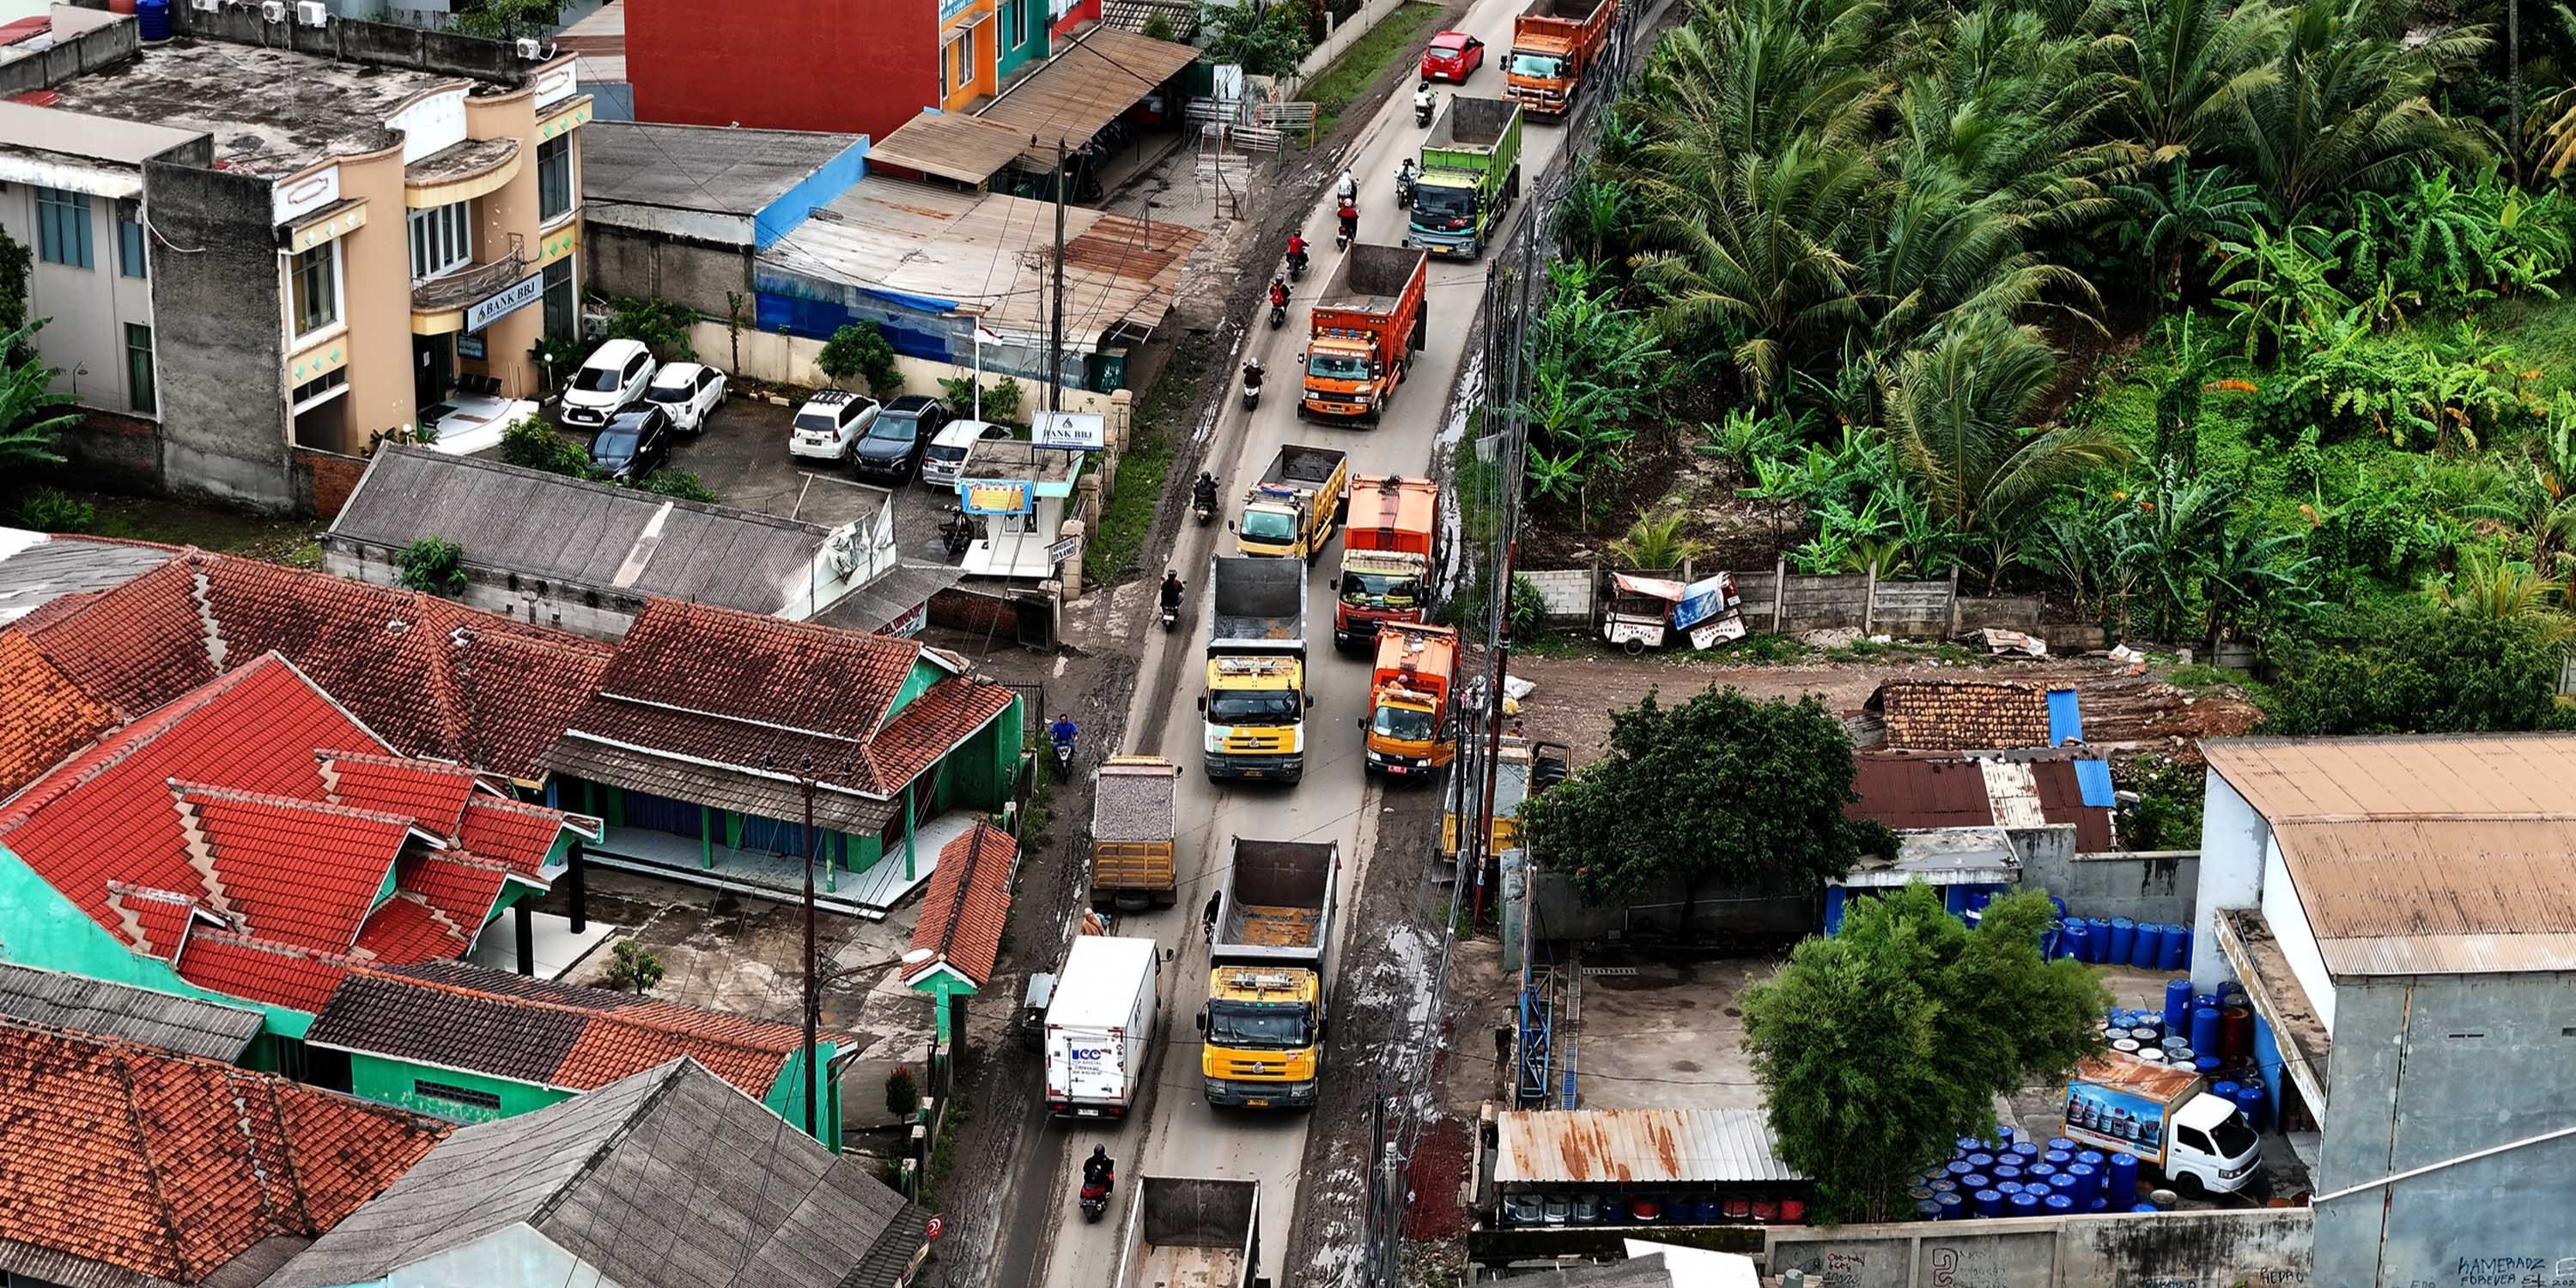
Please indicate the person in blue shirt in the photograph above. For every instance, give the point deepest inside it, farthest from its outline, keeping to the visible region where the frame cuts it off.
(1062, 731)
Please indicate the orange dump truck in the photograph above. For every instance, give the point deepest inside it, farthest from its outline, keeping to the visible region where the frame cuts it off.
(1386, 555)
(1366, 326)
(1553, 45)
(1409, 695)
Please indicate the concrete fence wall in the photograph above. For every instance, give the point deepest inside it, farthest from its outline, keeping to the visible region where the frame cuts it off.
(789, 360)
(1781, 602)
(1338, 41)
(2148, 885)
(2262, 1248)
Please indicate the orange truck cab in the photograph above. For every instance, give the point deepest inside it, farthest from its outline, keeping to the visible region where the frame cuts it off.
(1364, 330)
(1386, 555)
(1553, 45)
(1408, 719)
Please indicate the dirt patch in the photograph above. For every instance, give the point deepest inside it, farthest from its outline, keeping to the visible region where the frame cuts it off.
(1663, 474)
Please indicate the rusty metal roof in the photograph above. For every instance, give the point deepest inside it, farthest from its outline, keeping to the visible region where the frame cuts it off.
(968, 149)
(2447, 854)
(1084, 87)
(1956, 790)
(1637, 1147)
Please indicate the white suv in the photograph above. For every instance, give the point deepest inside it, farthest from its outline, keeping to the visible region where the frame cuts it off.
(946, 459)
(830, 424)
(616, 374)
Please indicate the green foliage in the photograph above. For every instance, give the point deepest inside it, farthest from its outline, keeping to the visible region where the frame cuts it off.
(660, 325)
(28, 423)
(433, 564)
(16, 262)
(1655, 544)
(556, 354)
(533, 444)
(861, 349)
(2417, 668)
(631, 969)
(2166, 815)
(1159, 27)
(903, 1095)
(1525, 616)
(2351, 102)
(1001, 398)
(509, 19)
(2187, 217)
(679, 485)
(1880, 1046)
(2277, 288)
(1720, 786)
(48, 509)
(1266, 40)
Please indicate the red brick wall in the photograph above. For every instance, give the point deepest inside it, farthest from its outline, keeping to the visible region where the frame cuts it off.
(863, 66)
(324, 480)
(112, 453)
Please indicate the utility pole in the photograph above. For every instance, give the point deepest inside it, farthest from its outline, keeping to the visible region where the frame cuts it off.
(1055, 311)
(813, 984)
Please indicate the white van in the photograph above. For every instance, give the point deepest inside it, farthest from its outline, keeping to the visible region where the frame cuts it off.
(1100, 1026)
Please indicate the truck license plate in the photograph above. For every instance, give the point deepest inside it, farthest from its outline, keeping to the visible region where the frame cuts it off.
(1397, 769)
(1086, 1113)
(1256, 1104)
(1254, 773)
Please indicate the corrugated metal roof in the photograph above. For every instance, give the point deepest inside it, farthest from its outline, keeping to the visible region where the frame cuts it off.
(2093, 780)
(2065, 717)
(186, 1025)
(2325, 778)
(1637, 1146)
(967, 149)
(1084, 87)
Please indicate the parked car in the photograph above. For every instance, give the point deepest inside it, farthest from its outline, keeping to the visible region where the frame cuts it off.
(690, 391)
(635, 442)
(617, 373)
(828, 426)
(942, 465)
(1452, 56)
(893, 446)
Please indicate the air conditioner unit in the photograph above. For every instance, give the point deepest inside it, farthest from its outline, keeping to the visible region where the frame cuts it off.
(205, 6)
(273, 10)
(312, 13)
(530, 49)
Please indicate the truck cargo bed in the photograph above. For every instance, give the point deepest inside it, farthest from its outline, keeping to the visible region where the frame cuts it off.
(1273, 927)
(1470, 124)
(1256, 601)
(1563, 10)
(1370, 279)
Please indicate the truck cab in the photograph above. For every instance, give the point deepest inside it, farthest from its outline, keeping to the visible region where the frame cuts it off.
(2213, 1145)
(1255, 703)
(1407, 727)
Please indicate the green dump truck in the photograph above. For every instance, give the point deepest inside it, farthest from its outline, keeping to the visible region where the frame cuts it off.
(1471, 172)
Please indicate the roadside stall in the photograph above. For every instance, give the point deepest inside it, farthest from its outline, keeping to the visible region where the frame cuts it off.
(1022, 493)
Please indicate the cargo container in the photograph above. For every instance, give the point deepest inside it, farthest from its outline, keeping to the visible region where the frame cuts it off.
(1100, 1024)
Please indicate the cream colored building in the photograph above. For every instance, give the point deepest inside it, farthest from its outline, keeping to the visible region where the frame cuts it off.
(271, 235)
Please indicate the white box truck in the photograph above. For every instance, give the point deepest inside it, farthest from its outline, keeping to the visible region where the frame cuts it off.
(1100, 1026)
(2165, 1117)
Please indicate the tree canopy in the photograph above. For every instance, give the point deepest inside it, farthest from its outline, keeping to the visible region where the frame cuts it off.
(1721, 785)
(1881, 1046)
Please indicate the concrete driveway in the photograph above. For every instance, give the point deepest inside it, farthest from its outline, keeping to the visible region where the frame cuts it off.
(743, 456)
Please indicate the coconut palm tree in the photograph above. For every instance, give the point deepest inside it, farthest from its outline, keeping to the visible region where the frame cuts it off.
(2491, 588)
(2352, 101)
(2190, 210)
(2191, 64)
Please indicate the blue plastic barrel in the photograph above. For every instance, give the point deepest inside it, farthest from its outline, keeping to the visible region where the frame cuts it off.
(2205, 1063)
(1975, 1181)
(2005, 1135)
(2149, 946)
(1944, 1186)
(2059, 1205)
(2146, 1207)
(1981, 1160)
(2177, 1010)
(2250, 1100)
(2090, 1158)
(2023, 1204)
(2124, 940)
(2122, 1178)
(1927, 1210)
(1958, 1167)
(1952, 1206)
(1989, 1203)
(1918, 1193)
(2039, 1172)
(152, 19)
(2098, 1205)
(2177, 954)
(2008, 1188)
(2059, 1157)
(2073, 940)
(2204, 1028)
(2060, 1142)
(2027, 1152)
(2088, 1181)
(2224, 1090)
(1966, 1145)
(2007, 1172)
(2098, 939)
(2064, 1183)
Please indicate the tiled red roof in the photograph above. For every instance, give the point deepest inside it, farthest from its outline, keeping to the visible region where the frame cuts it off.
(429, 792)
(968, 902)
(43, 715)
(459, 886)
(154, 921)
(241, 966)
(406, 931)
(514, 834)
(930, 725)
(294, 871)
(745, 1053)
(762, 670)
(169, 1166)
(431, 677)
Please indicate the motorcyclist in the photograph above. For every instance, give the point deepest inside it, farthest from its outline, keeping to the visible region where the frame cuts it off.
(1278, 292)
(1406, 173)
(1350, 217)
(1062, 731)
(1171, 590)
(1422, 99)
(1252, 374)
(1204, 491)
(1099, 1170)
(1297, 249)
(1348, 189)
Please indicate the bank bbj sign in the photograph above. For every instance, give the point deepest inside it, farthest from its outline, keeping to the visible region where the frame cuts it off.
(1072, 430)
(506, 301)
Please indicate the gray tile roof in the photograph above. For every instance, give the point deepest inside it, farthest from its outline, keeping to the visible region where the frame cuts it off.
(183, 1024)
(587, 534)
(887, 597)
(35, 569)
(448, 1029)
(667, 1179)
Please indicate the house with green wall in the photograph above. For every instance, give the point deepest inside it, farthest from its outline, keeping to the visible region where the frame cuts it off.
(714, 735)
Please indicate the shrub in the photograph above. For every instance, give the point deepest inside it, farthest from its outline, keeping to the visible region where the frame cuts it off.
(433, 564)
(861, 349)
(1002, 400)
(903, 1095)
(1525, 614)
(679, 485)
(50, 510)
(532, 444)
(633, 970)
(662, 326)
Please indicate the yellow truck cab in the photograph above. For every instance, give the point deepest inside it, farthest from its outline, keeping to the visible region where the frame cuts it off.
(1255, 704)
(1290, 512)
(1263, 1028)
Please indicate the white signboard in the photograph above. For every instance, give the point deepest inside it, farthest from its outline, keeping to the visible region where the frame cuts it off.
(506, 301)
(1064, 549)
(1072, 430)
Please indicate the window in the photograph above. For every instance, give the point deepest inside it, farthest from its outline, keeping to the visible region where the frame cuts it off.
(130, 254)
(442, 241)
(312, 393)
(966, 56)
(1015, 23)
(138, 368)
(317, 288)
(62, 228)
(560, 301)
(454, 1095)
(554, 177)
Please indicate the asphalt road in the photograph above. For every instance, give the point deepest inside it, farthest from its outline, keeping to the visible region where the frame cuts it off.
(1181, 1135)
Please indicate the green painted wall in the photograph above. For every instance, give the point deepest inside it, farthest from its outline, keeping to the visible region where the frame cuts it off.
(924, 673)
(386, 890)
(983, 772)
(1033, 17)
(391, 1082)
(39, 927)
(786, 1096)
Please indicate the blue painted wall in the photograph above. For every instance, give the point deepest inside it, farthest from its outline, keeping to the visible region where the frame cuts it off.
(829, 181)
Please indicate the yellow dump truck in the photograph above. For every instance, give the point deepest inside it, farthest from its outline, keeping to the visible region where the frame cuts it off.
(1268, 979)
(1133, 818)
(1255, 705)
(1522, 769)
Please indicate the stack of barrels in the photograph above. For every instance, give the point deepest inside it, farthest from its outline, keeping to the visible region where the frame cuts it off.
(2003, 1175)
(2118, 941)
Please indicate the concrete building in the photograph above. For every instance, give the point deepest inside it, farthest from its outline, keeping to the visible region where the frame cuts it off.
(676, 212)
(850, 66)
(2401, 913)
(265, 245)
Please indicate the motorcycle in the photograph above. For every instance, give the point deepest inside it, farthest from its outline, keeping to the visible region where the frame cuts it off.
(1404, 187)
(1063, 761)
(956, 532)
(1296, 266)
(1171, 615)
(1251, 388)
(1204, 505)
(1422, 104)
(1348, 229)
(1095, 1198)
(1278, 316)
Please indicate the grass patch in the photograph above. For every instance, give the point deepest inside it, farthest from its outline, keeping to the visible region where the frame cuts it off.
(1349, 76)
(293, 542)
(1128, 515)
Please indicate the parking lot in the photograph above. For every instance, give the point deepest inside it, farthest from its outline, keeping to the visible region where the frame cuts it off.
(743, 457)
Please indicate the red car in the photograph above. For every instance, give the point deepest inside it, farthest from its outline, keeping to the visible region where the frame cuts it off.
(1452, 56)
